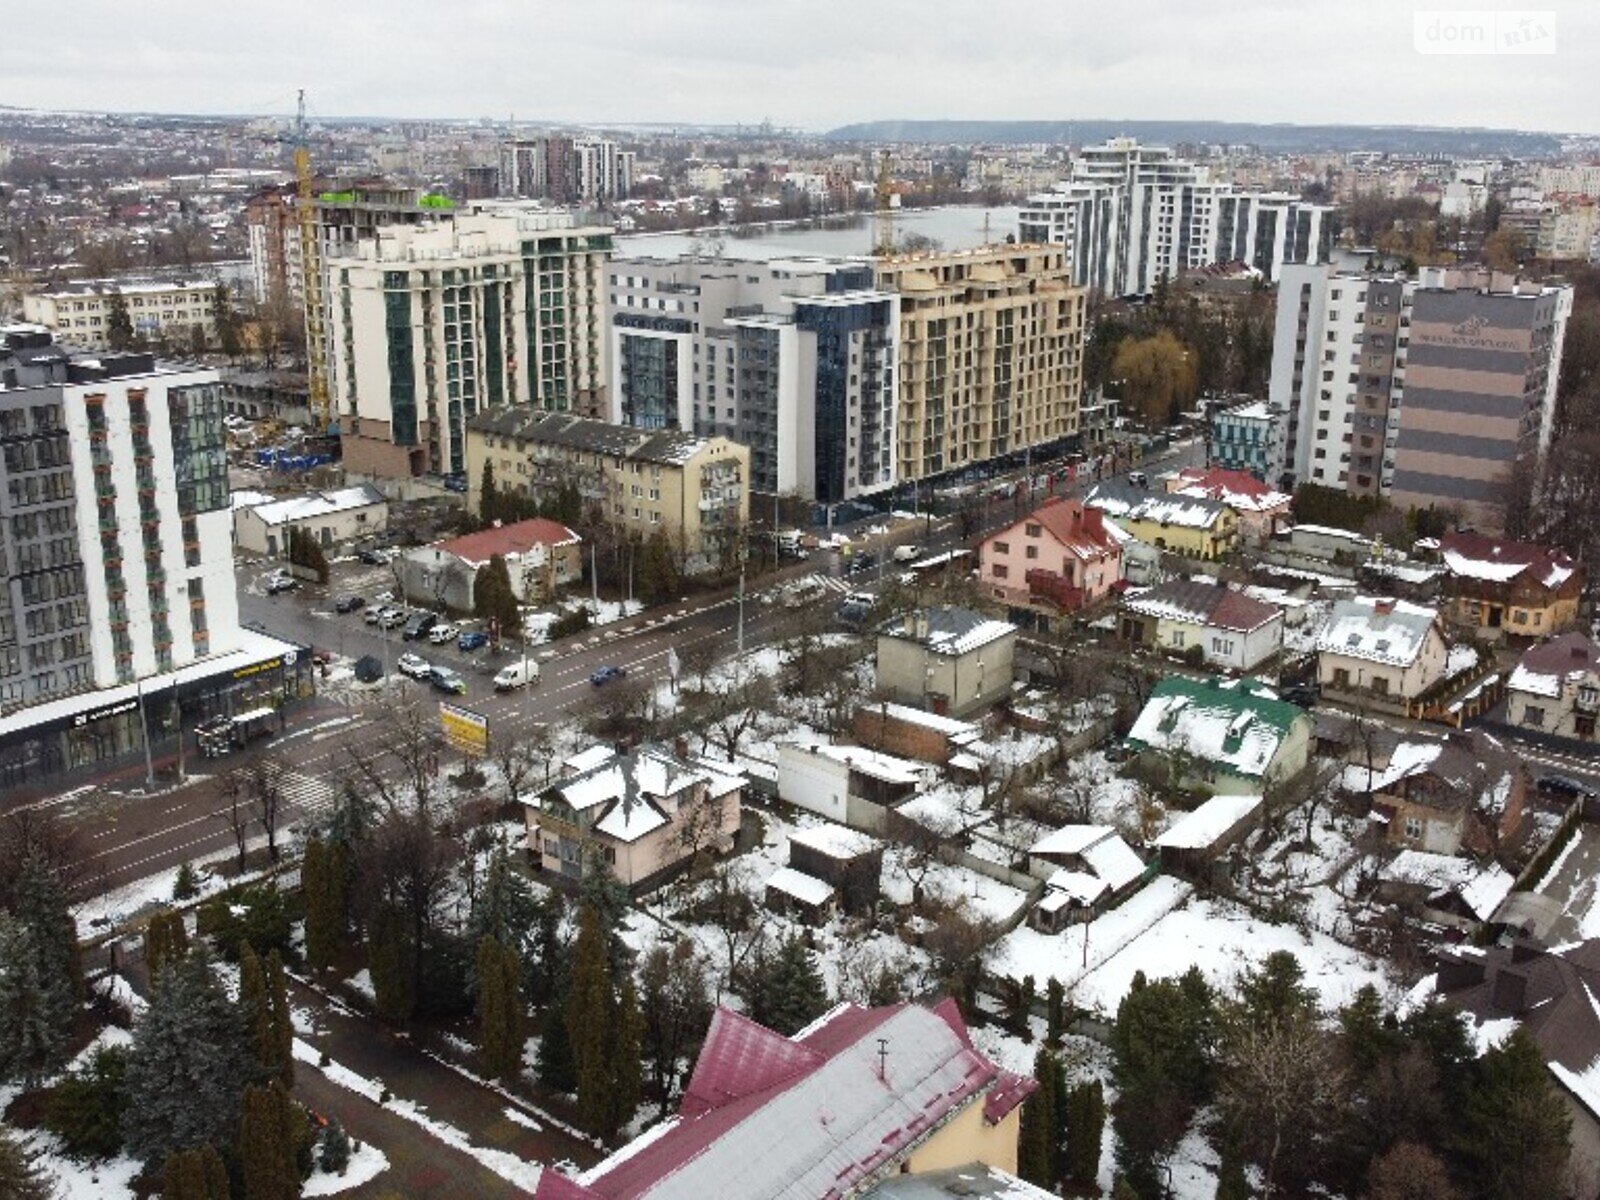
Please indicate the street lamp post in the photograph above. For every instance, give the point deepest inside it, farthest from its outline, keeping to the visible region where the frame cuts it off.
(144, 731)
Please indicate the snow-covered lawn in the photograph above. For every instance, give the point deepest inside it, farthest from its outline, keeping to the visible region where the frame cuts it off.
(365, 1165)
(1163, 931)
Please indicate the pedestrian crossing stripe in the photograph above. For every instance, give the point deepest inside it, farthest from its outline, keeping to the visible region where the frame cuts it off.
(833, 583)
(307, 793)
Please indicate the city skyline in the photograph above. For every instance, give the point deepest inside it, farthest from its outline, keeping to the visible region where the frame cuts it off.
(709, 62)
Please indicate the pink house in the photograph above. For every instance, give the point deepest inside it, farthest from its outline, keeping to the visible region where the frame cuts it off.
(1059, 558)
(1262, 509)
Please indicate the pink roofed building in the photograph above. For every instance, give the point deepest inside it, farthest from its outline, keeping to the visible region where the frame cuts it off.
(859, 1096)
(541, 556)
(1263, 510)
(1058, 559)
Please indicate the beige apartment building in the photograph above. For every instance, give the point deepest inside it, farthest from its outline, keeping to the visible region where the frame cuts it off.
(697, 489)
(80, 313)
(991, 353)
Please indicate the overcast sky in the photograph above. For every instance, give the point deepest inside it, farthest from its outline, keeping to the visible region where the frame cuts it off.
(812, 63)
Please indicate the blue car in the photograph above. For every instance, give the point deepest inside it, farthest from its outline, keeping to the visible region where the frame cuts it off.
(472, 640)
(605, 675)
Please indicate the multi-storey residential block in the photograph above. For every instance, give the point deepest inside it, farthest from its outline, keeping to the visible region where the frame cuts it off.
(1425, 391)
(565, 170)
(795, 358)
(117, 600)
(1243, 438)
(991, 354)
(694, 489)
(1132, 215)
(171, 311)
(273, 228)
(433, 325)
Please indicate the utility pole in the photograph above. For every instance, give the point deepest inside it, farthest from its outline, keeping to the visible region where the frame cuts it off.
(594, 580)
(144, 729)
(741, 604)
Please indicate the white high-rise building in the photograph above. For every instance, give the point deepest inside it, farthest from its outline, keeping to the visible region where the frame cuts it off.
(1131, 215)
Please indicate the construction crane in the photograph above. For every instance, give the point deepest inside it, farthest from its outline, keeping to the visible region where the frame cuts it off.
(883, 222)
(311, 275)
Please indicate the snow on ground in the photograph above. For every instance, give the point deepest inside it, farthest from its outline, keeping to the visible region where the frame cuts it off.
(361, 982)
(74, 1180)
(517, 1117)
(365, 1165)
(153, 892)
(1163, 931)
(536, 625)
(980, 895)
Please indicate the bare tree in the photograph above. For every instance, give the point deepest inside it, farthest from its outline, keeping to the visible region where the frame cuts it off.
(515, 758)
(1410, 1172)
(41, 835)
(741, 924)
(236, 812)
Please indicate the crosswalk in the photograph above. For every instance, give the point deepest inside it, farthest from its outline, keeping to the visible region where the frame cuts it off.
(832, 582)
(306, 793)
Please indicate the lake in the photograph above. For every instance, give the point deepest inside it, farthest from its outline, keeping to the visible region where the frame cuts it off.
(954, 228)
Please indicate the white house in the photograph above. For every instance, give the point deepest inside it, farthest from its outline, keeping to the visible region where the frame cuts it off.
(1382, 651)
(849, 784)
(1232, 630)
(540, 556)
(329, 517)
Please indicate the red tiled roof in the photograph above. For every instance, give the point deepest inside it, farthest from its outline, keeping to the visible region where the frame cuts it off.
(1243, 613)
(517, 538)
(1218, 483)
(1080, 529)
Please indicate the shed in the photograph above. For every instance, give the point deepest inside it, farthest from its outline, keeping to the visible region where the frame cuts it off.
(1198, 838)
(849, 861)
(805, 896)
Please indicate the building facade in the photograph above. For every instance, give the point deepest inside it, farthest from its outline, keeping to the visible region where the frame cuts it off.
(565, 170)
(1056, 560)
(696, 490)
(1244, 438)
(1380, 652)
(117, 596)
(1422, 391)
(1132, 215)
(1555, 689)
(434, 325)
(170, 312)
(991, 355)
(950, 661)
(1196, 526)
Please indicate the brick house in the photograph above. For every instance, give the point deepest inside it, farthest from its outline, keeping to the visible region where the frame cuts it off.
(1501, 588)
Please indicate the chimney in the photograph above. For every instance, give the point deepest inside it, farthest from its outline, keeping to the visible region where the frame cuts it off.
(1525, 949)
(1458, 973)
(1092, 524)
(1510, 991)
(1383, 607)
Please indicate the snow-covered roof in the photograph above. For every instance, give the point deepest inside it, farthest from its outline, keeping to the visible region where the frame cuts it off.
(948, 726)
(1135, 504)
(1070, 839)
(807, 889)
(1482, 889)
(949, 630)
(1200, 829)
(836, 841)
(1544, 669)
(1407, 759)
(318, 504)
(1214, 605)
(1114, 861)
(1111, 862)
(1391, 632)
(1234, 724)
(1239, 490)
(632, 789)
(1496, 560)
(1078, 886)
(885, 767)
(249, 499)
(588, 759)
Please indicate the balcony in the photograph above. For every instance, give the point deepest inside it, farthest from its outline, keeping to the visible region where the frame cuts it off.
(1054, 588)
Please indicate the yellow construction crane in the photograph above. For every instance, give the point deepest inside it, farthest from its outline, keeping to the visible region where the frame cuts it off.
(311, 275)
(884, 220)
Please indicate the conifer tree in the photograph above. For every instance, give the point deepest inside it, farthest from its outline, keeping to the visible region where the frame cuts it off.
(36, 1009)
(1515, 1134)
(21, 1176)
(797, 994)
(1038, 1134)
(166, 940)
(324, 896)
(39, 903)
(267, 1141)
(500, 1034)
(1086, 1120)
(183, 1176)
(333, 1150)
(590, 1012)
(627, 1075)
(554, 1063)
(488, 495)
(189, 1064)
(255, 1008)
(119, 323)
(390, 959)
(1055, 1008)
(281, 1040)
(215, 1173)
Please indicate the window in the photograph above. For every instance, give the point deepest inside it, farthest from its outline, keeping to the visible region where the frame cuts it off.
(1033, 530)
(1341, 677)
(1033, 552)
(1002, 547)
(1001, 571)
(1533, 716)
(1380, 684)
(1413, 829)
(1177, 639)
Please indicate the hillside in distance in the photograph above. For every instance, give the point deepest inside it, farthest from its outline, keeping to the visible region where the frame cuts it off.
(1280, 139)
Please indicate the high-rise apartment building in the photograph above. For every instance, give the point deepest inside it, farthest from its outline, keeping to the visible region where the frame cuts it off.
(565, 170)
(794, 358)
(1131, 215)
(1422, 391)
(991, 354)
(430, 325)
(117, 594)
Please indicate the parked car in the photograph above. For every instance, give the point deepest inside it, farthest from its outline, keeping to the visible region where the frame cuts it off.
(349, 604)
(281, 583)
(518, 674)
(375, 613)
(862, 562)
(442, 632)
(1565, 786)
(907, 553)
(392, 618)
(446, 680)
(472, 639)
(419, 625)
(1304, 695)
(415, 666)
(370, 556)
(606, 674)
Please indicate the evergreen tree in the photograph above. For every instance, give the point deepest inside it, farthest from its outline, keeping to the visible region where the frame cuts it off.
(119, 324)
(1055, 1008)
(85, 1109)
(493, 598)
(658, 576)
(189, 1064)
(39, 903)
(1276, 991)
(500, 1013)
(1086, 1121)
(215, 1173)
(323, 885)
(555, 1064)
(1364, 1032)
(391, 959)
(21, 1176)
(797, 994)
(333, 1149)
(488, 495)
(627, 1076)
(227, 321)
(675, 1004)
(505, 909)
(267, 1141)
(590, 1013)
(280, 1044)
(1514, 1129)
(550, 953)
(256, 1010)
(1038, 1132)
(195, 1175)
(166, 940)
(36, 1009)
(186, 886)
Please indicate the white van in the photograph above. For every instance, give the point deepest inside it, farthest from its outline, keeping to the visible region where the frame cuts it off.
(518, 674)
(907, 553)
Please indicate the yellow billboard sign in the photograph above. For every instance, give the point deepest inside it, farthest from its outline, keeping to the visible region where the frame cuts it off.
(465, 730)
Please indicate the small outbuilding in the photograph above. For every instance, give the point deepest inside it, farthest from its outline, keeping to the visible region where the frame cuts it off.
(849, 861)
(1197, 839)
(800, 895)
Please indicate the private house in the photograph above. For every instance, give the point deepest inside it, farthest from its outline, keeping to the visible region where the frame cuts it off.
(1086, 869)
(1551, 994)
(1509, 589)
(1220, 736)
(1231, 631)
(1194, 526)
(1262, 509)
(1193, 843)
(912, 732)
(1555, 689)
(858, 1097)
(1380, 652)
(1461, 793)
(1056, 560)
(950, 661)
(848, 784)
(848, 861)
(1500, 588)
(329, 517)
(646, 814)
(541, 556)
(1444, 889)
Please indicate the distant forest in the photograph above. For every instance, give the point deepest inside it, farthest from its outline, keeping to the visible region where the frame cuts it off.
(1288, 139)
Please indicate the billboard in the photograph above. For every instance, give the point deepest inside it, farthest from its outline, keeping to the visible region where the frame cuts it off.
(465, 730)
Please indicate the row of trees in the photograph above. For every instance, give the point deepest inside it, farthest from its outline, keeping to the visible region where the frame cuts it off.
(1383, 1105)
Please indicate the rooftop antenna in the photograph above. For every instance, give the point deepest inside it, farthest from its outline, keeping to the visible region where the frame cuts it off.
(883, 1060)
